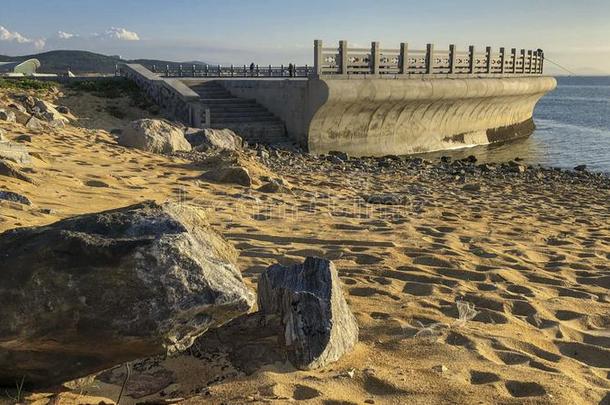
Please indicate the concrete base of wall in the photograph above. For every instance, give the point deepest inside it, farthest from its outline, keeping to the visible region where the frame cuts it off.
(376, 117)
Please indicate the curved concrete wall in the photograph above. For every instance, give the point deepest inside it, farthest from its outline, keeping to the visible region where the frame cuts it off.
(378, 117)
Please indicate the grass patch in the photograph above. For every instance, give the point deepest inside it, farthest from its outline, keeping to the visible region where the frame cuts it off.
(27, 84)
(107, 88)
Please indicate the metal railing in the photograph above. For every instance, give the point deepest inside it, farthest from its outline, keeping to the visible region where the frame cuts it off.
(431, 61)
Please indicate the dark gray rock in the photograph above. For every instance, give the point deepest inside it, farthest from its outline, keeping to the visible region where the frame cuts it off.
(580, 168)
(229, 175)
(63, 109)
(318, 326)
(385, 199)
(14, 197)
(93, 291)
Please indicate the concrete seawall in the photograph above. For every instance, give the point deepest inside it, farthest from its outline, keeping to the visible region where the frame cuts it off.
(374, 117)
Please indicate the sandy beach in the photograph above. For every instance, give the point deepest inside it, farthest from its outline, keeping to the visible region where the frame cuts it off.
(527, 248)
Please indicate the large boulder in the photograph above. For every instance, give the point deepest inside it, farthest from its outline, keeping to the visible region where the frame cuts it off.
(208, 138)
(90, 292)
(318, 326)
(153, 135)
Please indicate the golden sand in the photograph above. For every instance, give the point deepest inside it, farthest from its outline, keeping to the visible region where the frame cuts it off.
(532, 257)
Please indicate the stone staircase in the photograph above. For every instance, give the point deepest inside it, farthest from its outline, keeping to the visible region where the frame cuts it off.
(245, 117)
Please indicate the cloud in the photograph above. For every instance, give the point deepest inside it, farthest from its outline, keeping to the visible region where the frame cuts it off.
(120, 34)
(15, 37)
(65, 35)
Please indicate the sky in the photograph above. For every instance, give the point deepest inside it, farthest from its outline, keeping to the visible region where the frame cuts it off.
(575, 34)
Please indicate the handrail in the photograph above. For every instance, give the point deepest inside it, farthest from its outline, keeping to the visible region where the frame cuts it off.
(430, 61)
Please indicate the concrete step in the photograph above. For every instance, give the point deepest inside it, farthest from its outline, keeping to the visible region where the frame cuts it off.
(244, 119)
(229, 114)
(228, 101)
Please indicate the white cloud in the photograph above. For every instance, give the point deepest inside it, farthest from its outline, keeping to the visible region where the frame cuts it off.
(14, 36)
(65, 35)
(120, 34)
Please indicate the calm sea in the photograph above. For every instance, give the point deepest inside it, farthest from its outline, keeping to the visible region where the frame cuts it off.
(573, 128)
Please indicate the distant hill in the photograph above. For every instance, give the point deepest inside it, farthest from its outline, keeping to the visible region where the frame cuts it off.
(84, 62)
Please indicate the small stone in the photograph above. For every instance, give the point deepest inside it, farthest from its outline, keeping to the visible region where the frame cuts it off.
(385, 199)
(14, 197)
(229, 175)
(2, 136)
(9, 169)
(441, 368)
(341, 155)
(515, 167)
(34, 123)
(63, 109)
(369, 401)
(7, 116)
(23, 138)
(472, 187)
(581, 168)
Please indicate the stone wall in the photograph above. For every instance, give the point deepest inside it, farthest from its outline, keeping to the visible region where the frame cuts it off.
(376, 116)
(176, 99)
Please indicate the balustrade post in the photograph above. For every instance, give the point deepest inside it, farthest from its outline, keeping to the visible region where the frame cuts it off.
(317, 57)
(488, 60)
(179, 70)
(375, 58)
(452, 59)
(343, 60)
(258, 71)
(513, 56)
(541, 62)
(430, 59)
(530, 58)
(194, 71)
(523, 61)
(404, 58)
(166, 70)
(502, 59)
(471, 60)
(154, 68)
(282, 70)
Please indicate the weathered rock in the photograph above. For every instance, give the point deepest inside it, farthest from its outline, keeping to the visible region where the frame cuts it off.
(9, 169)
(23, 138)
(3, 136)
(472, 187)
(7, 116)
(274, 186)
(14, 152)
(385, 199)
(222, 139)
(515, 167)
(6, 195)
(229, 175)
(63, 109)
(152, 135)
(318, 325)
(48, 112)
(580, 168)
(34, 123)
(89, 292)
